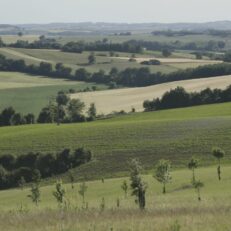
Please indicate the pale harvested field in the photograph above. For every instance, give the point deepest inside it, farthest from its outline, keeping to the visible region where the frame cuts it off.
(174, 60)
(20, 55)
(124, 99)
(13, 80)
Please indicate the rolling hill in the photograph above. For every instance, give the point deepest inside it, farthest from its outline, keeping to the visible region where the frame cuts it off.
(172, 134)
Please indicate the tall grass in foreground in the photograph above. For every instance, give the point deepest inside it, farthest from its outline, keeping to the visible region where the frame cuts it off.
(177, 210)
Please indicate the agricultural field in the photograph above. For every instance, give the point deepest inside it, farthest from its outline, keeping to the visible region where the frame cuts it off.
(127, 98)
(114, 140)
(175, 134)
(104, 62)
(27, 93)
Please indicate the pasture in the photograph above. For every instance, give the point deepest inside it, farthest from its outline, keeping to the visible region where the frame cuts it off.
(27, 93)
(127, 98)
(175, 134)
(178, 206)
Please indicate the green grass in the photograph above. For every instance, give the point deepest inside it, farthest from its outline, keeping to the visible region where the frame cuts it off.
(180, 203)
(172, 134)
(27, 93)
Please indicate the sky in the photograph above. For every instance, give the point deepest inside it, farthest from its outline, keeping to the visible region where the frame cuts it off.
(130, 11)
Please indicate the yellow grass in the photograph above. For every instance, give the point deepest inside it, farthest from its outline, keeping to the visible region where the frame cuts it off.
(174, 60)
(124, 99)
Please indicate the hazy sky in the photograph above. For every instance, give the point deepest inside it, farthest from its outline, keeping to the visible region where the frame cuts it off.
(44, 11)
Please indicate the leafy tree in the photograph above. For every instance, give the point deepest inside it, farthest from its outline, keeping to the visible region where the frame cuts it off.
(29, 118)
(198, 185)
(21, 182)
(82, 191)
(91, 59)
(92, 111)
(138, 186)
(62, 100)
(166, 53)
(162, 173)
(3, 177)
(6, 116)
(20, 34)
(219, 154)
(75, 109)
(71, 178)
(36, 176)
(45, 116)
(192, 165)
(17, 119)
(35, 193)
(124, 187)
(59, 192)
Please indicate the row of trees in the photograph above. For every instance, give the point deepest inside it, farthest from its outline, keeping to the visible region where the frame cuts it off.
(128, 77)
(61, 110)
(178, 97)
(77, 47)
(131, 46)
(66, 110)
(9, 116)
(14, 171)
(138, 187)
(162, 173)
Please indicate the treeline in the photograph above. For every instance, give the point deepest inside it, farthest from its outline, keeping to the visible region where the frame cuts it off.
(132, 77)
(78, 47)
(178, 45)
(61, 110)
(131, 46)
(29, 167)
(9, 116)
(178, 97)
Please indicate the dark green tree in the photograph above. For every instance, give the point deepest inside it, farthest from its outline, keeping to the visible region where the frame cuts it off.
(92, 111)
(138, 186)
(124, 187)
(198, 185)
(35, 193)
(162, 173)
(91, 59)
(218, 153)
(62, 99)
(192, 165)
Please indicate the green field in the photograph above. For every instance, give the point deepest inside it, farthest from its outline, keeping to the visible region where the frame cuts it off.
(27, 93)
(103, 60)
(172, 134)
(162, 211)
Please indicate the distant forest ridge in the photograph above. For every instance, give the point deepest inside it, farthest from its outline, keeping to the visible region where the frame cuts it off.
(100, 27)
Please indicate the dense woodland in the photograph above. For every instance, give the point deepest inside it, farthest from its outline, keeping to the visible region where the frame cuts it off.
(33, 166)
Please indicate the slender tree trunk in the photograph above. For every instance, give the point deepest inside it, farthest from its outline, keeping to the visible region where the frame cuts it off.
(58, 115)
(219, 170)
(164, 189)
(199, 195)
(193, 179)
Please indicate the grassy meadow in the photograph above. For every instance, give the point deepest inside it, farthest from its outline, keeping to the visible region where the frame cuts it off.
(175, 134)
(163, 212)
(27, 93)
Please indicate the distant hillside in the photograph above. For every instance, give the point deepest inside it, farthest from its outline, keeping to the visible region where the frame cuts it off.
(9, 29)
(89, 27)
